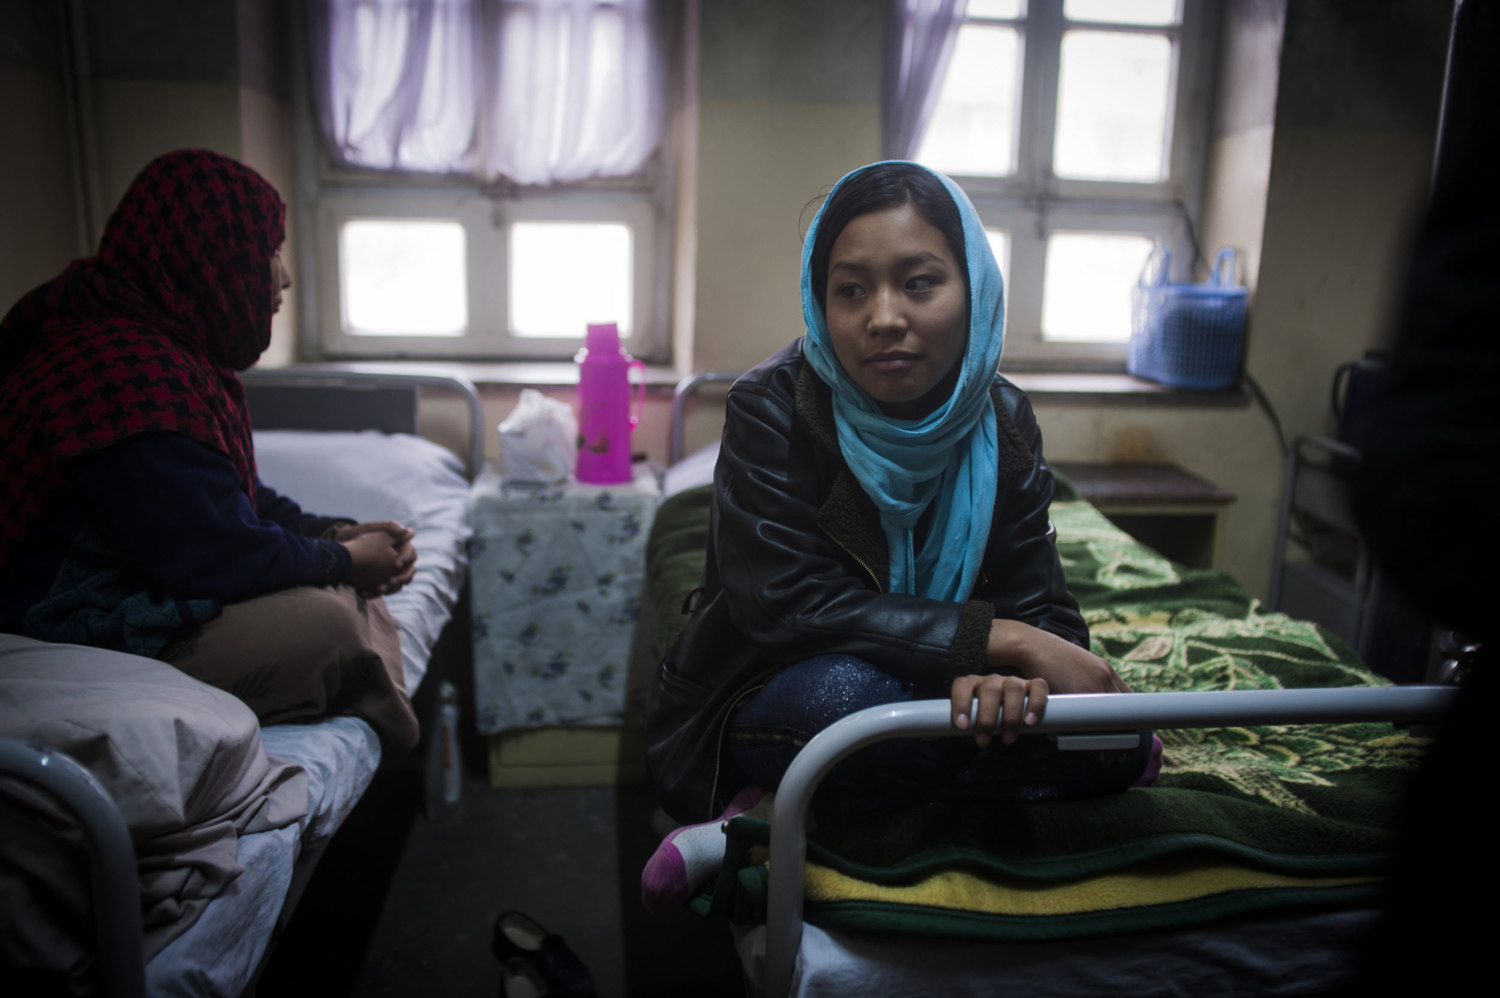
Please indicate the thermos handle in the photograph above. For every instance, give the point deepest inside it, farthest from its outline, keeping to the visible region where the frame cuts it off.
(640, 392)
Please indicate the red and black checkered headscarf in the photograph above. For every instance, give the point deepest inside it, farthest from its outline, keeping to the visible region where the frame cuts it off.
(147, 335)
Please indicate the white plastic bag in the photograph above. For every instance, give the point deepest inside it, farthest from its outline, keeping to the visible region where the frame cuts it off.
(538, 440)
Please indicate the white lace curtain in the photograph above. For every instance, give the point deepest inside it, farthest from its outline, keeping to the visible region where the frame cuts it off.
(919, 40)
(537, 91)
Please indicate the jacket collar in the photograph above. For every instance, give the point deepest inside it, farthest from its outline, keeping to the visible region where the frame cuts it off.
(847, 514)
(813, 404)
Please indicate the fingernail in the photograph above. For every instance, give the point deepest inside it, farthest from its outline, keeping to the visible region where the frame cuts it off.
(1008, 737)
(961, 722)
(982, 740)
(1031, 717)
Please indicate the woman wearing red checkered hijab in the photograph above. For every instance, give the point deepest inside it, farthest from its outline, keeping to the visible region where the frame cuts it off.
(131, 516)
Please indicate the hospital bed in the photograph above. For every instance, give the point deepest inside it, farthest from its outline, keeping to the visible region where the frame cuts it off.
(353, 452)
(1255, 864)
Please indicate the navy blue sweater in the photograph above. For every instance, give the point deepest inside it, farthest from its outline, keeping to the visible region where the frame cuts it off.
(179, 511)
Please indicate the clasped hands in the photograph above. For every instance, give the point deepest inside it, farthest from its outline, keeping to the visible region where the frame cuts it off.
(1035, 663)
(383, 556)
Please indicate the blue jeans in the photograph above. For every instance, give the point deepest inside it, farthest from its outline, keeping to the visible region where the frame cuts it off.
(768, 729)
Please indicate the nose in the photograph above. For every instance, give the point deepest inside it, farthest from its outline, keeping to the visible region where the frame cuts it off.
(886, 312)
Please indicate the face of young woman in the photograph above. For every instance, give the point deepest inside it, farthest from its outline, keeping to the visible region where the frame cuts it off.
(897, 308)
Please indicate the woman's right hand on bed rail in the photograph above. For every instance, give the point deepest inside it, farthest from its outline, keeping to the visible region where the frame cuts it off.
(1004, 703)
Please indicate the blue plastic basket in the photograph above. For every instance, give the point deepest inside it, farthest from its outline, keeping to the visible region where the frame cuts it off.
(1187, 335)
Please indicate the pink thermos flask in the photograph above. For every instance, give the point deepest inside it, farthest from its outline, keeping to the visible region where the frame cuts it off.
(605, 420)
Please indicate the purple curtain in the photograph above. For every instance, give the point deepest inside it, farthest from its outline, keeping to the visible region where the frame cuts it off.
(919, 39)
(537, 91)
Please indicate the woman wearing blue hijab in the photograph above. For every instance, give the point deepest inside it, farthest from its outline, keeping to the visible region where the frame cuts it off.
(880, 534)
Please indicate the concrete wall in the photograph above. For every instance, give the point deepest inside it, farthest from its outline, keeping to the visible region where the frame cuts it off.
(789, 102)
(38, 224)
(165, 75)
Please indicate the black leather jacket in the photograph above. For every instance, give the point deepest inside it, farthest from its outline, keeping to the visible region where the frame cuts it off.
(797, 567)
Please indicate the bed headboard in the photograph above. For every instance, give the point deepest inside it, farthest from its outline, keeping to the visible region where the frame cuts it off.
(685, 390)
(315, 398)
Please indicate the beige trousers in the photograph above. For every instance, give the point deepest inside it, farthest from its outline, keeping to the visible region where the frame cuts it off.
(305, 653)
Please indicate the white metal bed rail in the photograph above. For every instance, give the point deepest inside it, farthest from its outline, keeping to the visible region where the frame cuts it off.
(686, 389)
(1065, 714)
(346, 376)
(121, 968)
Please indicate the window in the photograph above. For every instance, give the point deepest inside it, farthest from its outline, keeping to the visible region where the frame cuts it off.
(490, 175)
(1075, 127)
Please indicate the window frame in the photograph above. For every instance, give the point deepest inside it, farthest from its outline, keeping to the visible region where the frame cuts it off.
(330, 194)
(486, 223)
(1032, 203)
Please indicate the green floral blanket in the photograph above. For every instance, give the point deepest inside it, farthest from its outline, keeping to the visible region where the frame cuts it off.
(1241, 819)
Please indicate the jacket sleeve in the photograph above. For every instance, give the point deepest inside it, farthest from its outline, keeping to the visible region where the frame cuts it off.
(791, 590)
(179, 510)
(1022, 575)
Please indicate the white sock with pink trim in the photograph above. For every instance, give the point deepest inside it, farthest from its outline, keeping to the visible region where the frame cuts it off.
(691, 854)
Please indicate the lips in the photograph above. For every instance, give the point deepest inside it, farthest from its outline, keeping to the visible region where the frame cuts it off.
(892, 360)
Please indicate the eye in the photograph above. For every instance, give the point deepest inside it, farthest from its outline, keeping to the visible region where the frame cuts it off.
(921, 283)
(847, 290)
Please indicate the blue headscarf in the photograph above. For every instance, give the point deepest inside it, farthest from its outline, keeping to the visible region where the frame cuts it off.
(947, 458)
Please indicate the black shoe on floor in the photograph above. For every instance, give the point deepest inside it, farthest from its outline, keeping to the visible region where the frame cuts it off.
(518, 941)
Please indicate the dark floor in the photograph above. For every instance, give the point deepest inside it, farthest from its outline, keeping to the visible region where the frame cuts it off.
(569, 858)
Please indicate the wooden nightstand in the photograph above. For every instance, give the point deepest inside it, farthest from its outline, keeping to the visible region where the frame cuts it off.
(1162, 505)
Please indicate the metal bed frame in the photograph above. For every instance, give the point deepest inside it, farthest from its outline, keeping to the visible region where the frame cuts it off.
(390, 401)
(686, 389)
(1069, 717)
(112, 874)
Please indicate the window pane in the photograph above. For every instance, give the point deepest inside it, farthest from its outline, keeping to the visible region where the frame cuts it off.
(403, 277)
(1112, 104)
(999, 241)
(993, 8)
(1122, 11)
(973, 125)
(1086, 291)
(565, 275)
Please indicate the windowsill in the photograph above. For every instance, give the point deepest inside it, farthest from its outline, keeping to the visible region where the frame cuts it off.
(488, 374)
(1117, 388)
(1068, 388)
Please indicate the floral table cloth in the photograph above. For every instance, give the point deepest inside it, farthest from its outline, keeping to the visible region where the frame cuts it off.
(556, 584)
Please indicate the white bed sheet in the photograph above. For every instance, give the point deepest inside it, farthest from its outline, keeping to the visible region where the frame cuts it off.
(1301, 954)
(379, 476)
(219, 953)
(694, 470)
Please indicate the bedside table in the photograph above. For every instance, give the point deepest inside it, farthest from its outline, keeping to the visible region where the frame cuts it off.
(556, 580)
(1173, 510)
